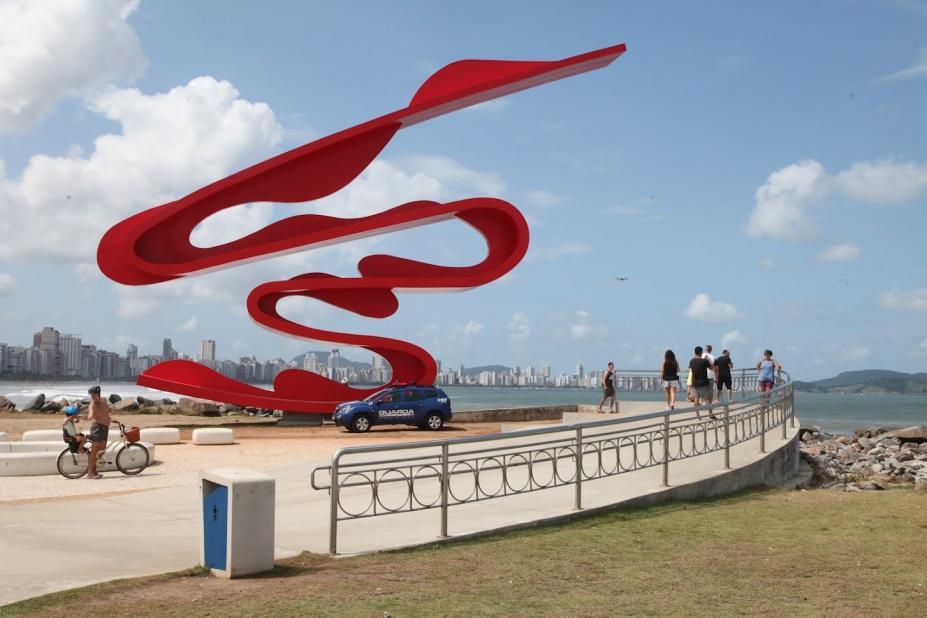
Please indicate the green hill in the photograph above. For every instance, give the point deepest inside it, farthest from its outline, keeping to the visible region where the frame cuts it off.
(876, 381)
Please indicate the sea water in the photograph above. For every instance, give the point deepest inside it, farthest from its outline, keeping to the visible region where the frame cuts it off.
(836, 413)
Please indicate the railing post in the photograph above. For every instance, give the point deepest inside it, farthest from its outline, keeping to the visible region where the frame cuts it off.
(763, 407)
(792, 405)
(743, 383)
(333, 510)
(727, 437)
(782, 408)
(445, 483)
(579, 469)
(666, 450)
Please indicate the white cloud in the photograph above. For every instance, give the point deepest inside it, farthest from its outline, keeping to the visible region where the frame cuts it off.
(703, 309)
(170, 143)
(924, 344)
(7, 284)
(581, 330)
(543, 199)
(493, 105)
(472, 328)
(559, 250)
(518, 328)
(783, 203)
(50, 50)
(729, 339)
(840, 253)
(768, 263)
(918, 69)
(189, 326)
(459, 179)
(905, 300)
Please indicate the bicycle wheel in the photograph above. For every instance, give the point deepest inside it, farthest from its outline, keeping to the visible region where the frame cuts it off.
(132, 458)
(72, 465)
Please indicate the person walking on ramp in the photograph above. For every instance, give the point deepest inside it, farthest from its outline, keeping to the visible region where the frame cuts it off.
(669, 373)
(608, 390)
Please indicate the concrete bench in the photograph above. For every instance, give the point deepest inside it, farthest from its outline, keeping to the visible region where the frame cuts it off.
(42, 435)
(2, 436)
(38, 463)
(161, 435)
(213, 435)
(49, 446)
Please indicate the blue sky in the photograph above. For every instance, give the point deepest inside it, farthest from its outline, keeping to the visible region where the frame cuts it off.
(758, 172)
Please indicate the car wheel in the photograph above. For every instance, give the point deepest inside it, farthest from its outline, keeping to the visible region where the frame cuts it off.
(434, 421)
(361, 423)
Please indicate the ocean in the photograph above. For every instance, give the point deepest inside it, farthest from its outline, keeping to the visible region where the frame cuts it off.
(835, 413)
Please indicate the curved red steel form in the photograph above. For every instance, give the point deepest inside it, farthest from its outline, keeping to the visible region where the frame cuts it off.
(154, 245)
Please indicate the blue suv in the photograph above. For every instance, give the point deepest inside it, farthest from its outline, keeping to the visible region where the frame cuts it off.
(427, 407)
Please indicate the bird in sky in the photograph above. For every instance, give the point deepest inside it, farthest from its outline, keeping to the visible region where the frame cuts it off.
(621, 279)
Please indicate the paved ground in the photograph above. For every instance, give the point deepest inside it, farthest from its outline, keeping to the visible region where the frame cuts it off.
(157, 530)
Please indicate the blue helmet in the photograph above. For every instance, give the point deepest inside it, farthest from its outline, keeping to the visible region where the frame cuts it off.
(71, 410)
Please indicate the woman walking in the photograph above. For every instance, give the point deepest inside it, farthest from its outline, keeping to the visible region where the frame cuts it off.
(669, 372)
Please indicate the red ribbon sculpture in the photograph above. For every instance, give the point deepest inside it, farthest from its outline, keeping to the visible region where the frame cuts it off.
(154, 245)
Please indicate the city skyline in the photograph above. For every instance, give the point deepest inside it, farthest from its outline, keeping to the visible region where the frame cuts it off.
(748, 178)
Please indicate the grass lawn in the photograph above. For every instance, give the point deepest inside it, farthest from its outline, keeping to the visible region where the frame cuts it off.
(766, 552)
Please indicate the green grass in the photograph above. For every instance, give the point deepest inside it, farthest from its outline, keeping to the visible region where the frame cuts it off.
(770, 552)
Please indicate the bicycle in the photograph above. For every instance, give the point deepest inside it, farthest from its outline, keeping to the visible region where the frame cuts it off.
(126, 453)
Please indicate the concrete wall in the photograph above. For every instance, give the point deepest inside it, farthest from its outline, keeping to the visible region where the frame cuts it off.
(535, 413)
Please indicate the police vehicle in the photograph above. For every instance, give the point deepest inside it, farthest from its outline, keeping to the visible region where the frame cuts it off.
(427, 407)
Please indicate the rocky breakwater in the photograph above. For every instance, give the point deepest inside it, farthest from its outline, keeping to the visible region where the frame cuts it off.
(185, 406)
(869, 459)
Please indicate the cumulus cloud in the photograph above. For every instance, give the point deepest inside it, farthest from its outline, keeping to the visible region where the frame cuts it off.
(188, 326)
(703, 309)
(7, 284)
(50, 50)
(918, 69)
(518, 328)
(729, 339)
(582, 330)
(455, 175)
(784, 203)
(905, 300)
(170, 144)
(472, 327)
(840, 253)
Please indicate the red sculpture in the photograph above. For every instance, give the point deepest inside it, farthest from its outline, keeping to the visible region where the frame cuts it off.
(154, 245)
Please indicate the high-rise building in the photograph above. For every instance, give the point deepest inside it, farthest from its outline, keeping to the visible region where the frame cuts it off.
(311, 362)
(131, 353)
(579, 372)
(334, 363)
(208, 350)
(167, 350)
(69, 354)
(46, 359)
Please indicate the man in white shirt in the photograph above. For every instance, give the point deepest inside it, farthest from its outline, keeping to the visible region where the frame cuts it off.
(711, 371)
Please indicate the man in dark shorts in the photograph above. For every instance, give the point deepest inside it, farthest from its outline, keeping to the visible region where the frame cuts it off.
(98, 415)
(608, 390)
(700, 383)
(723, 366)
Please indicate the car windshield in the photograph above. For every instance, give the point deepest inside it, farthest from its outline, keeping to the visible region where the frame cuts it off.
(377, 395)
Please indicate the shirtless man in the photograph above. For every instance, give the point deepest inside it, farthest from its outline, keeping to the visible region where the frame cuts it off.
(98, 415)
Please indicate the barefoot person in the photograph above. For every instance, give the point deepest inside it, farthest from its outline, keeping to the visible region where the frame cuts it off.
(723, 366)
(98, 415)
(701, 387)
(669, 372)
(608, 390)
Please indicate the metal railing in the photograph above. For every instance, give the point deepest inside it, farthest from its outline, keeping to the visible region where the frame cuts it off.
(395, 478)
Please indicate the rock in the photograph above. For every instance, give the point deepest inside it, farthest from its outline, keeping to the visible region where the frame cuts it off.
(923, 448)
(6, 405)
(875, 451)
(870, 485)
(917, 434)
(864, 443)
(36, 403)
(229, 409)
(905, 456)
(144, 402)
(113, 398)
(51, 407)
(199, 407)
(805, 437)
(842, 440)
(876, 468)
(125, 405)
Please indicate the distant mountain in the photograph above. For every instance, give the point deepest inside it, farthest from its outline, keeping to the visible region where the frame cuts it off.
(876, 381)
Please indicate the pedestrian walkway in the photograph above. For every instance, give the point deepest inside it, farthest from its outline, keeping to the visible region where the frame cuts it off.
(157, 531)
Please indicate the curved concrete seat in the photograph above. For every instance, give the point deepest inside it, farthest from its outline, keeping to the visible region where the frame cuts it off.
(49, 446)
(2, 436)
(37, 463)
(41, 435)
(213, 435)
(161, 435)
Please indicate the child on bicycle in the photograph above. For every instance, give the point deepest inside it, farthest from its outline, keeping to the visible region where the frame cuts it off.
(70, 431)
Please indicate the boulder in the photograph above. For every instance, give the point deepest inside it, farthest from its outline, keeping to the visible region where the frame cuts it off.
(36, 403)
(144, 402)
(51, 407)
(917, 434)
(113, 398)
(6, 405)
(864, 443)
(842, 440)
(923, 448)
(199, 407)
(807, 437)
(125, 405)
